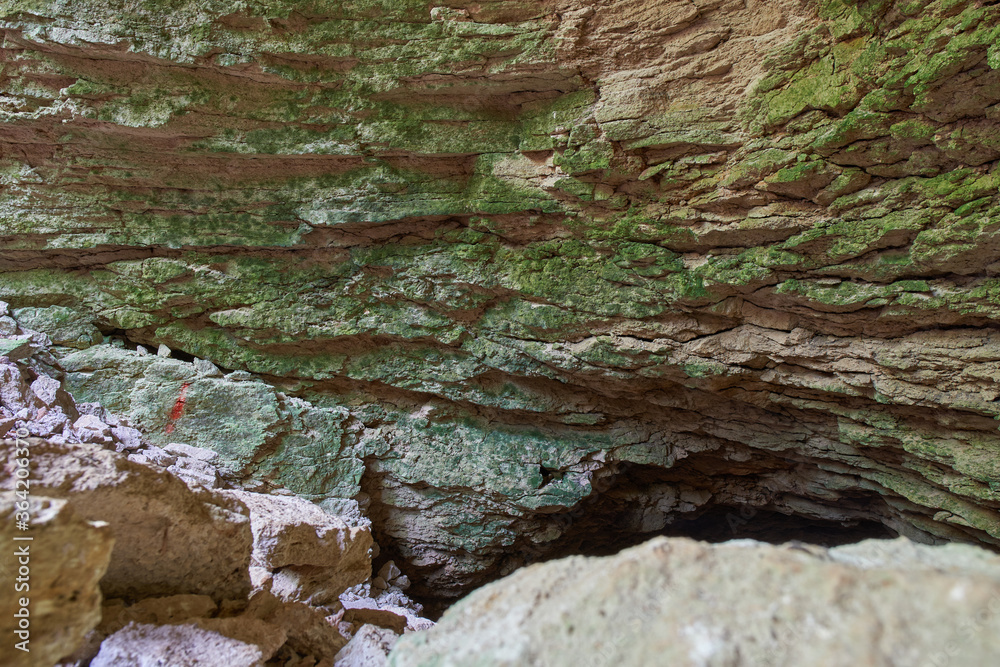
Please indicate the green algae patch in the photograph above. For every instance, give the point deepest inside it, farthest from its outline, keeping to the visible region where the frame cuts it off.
(848, 295)
(256, 430)
(483, 293)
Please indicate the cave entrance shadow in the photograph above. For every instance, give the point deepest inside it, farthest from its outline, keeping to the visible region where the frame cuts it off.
(701, 500)
(706, 497)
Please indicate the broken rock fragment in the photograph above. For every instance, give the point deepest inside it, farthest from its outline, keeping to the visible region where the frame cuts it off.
(143, 645)
(170, 539)
(63, 562)
(369, 647)
(312, 555)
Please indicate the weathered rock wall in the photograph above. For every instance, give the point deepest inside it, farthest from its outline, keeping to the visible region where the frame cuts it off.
(492, 261)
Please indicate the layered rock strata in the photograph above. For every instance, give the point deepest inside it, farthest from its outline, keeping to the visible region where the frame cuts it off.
(505, 271)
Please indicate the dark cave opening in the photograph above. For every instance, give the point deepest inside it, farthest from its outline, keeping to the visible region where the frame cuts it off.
(705, 498)
(125, 338)
(716, 524)
(710, 496)
(720, 524)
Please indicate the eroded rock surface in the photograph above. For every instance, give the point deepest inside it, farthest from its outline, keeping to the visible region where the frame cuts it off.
(169, 538)
(308, 554)
(497, 270)
(369, 647)
(176, 645)
(62, 564)
(673, 601)
(196, 576)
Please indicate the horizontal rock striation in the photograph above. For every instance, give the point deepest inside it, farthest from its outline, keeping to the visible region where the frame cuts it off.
(504, 271)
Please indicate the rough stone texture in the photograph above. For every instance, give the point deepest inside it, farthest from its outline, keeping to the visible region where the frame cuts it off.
(67, 558)
(301, 558)
(155, 611)
(371, 614)
(310, 630)
(312, 556)
(189, 610)
(369, 647)
(389, 609)
(268, 637)
(273, 625)
(34, 401)
(169, 538)
(141, 645)
(254, 429)
(64, 326)
(509, 267)
(674, 601)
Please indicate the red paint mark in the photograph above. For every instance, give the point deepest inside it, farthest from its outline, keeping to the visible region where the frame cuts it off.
(175, 413)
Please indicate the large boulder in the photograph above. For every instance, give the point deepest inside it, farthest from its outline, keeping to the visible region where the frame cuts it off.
(170, 539)
(55, 572)
(310, 555)
(674, 601)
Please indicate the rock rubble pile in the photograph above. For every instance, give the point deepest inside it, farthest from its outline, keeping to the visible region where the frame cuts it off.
(192, 570)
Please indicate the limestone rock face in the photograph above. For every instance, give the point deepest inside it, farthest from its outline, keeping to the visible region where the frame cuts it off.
(311, 555)
(673, 601)
(65, 559)
(34, 402)
(188, 554)
(169, 538)
(252, 427)
(512, 274)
